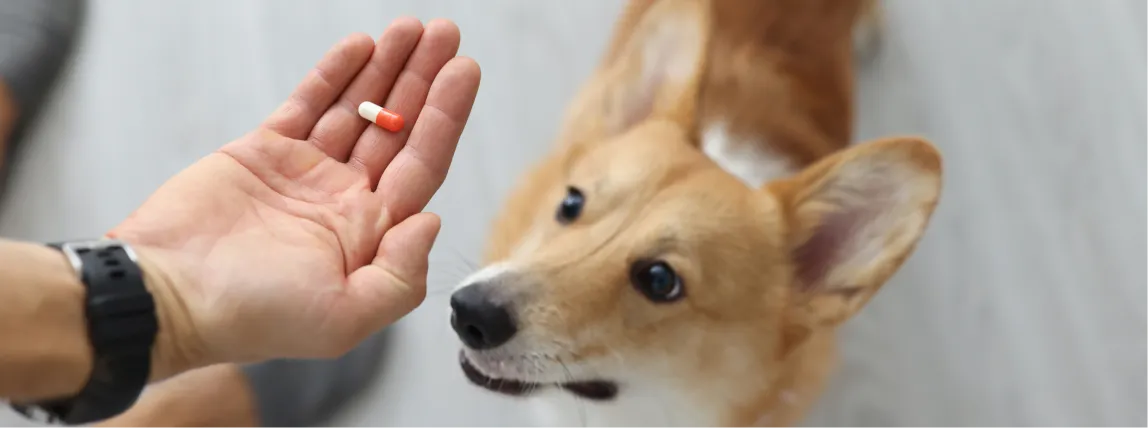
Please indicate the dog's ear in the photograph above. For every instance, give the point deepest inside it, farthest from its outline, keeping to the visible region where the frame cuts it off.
(854, 217)
(652, 70)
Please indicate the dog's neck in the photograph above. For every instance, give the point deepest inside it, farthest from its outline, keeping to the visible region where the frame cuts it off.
(653, 402)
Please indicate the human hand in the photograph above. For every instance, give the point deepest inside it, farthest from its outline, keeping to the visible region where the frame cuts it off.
(304, 236)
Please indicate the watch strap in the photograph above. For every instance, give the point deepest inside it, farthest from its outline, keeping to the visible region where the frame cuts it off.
(122, 328)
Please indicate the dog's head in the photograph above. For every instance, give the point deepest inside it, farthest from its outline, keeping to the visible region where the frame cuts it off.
(628, 256)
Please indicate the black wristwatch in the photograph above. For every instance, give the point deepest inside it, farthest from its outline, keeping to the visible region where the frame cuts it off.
(122, 328)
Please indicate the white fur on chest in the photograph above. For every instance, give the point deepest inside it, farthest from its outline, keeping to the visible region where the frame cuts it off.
(750, 161)
(634, 406)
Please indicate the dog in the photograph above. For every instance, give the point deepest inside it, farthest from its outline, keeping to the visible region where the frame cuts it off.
(685, 253)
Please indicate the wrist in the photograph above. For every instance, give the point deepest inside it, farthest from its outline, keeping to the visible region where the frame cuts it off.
(181, 400)
(178, 346)
(117, 320)
(45, 350)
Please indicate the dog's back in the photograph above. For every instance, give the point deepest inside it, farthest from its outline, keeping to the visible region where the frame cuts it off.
(780, 74)
(776, 93)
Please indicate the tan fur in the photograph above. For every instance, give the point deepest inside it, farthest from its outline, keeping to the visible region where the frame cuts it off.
(753, 338)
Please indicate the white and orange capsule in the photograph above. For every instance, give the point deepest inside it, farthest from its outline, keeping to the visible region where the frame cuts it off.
(386, 119)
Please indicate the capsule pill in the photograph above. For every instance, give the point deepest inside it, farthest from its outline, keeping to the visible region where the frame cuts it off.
(382, 117)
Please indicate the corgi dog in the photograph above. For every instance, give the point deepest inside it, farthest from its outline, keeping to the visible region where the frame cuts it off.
(685, 253)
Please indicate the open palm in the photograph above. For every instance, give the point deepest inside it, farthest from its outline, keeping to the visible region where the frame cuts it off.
(304, 236)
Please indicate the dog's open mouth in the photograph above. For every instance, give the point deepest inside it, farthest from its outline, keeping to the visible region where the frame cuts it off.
(592, 390)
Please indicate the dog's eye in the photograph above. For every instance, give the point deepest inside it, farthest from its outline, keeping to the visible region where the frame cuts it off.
(571, 206)
(656, 280)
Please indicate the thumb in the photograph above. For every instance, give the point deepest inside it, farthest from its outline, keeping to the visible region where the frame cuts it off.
(394, 284)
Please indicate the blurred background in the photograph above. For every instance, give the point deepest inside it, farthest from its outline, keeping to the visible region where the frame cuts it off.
(1023, 305)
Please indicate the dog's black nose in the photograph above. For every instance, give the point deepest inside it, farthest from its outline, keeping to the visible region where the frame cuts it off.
(480, 322)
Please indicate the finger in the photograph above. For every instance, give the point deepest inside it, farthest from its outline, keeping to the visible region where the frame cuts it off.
(376, 147)
(420, 167)
(296, 116)
(339, 128)
(394, 284)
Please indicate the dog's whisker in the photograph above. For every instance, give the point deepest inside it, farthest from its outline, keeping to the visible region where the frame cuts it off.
(449, 273)
(458, 272)
(577, 399)
(439, 287)
(464, 259)
(447, 279)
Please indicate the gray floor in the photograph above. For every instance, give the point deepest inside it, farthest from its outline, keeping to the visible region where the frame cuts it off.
(1024, 305)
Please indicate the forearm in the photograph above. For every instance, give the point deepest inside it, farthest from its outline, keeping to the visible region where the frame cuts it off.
(217, 395)
(45, 350)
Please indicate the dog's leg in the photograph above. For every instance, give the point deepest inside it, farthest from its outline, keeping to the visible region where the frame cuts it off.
(869, 30)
